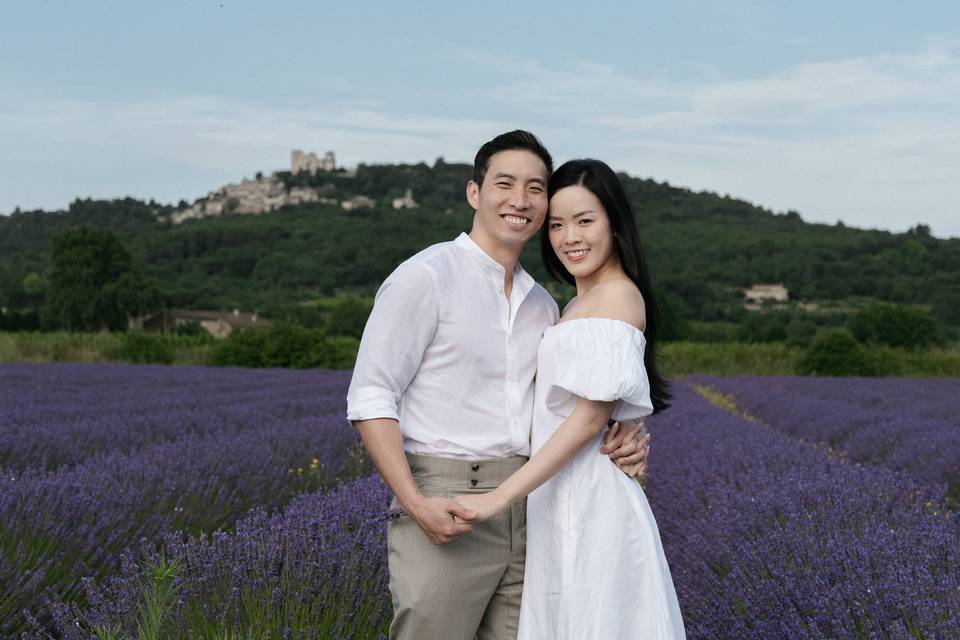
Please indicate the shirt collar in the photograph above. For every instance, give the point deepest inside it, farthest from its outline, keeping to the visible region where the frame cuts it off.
(521, 279)
(466, 242)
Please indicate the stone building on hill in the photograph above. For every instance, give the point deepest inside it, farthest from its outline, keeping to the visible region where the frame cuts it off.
(300, 161)
(359, 202)
(254, 196)
(406, 202)
(758, 294)
(265, 194)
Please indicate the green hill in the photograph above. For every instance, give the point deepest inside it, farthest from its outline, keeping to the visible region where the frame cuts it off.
(703, 248)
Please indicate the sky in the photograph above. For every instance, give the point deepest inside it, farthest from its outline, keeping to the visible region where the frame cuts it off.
(837, 110)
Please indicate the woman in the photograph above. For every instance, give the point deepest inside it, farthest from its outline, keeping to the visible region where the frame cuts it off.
(592, 543)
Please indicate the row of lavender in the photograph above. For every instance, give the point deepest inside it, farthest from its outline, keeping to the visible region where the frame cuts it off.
(98, 457)
(54, 415)
(911, 426)
(767, 537)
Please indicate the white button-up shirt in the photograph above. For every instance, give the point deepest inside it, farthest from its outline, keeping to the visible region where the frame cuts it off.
(448, 356)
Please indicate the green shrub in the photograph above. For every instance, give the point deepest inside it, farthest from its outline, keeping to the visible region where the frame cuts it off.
(835, 352)
(243, 348)
(763, 327)
(897, 326)
(349, 317)
(286, 345)
(337, 352)
(716, 331)
(143, 348)
(800, 331)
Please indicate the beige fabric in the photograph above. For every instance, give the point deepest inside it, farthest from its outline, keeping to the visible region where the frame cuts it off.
(470, 587)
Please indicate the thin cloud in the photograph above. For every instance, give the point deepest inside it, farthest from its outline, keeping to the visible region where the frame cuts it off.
(871, 140)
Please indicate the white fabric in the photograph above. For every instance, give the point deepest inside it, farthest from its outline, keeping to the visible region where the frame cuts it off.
(446, 354)
(601, 363)
(595, 565)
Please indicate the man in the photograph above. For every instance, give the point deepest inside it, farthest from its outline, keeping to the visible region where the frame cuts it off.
(442, 395)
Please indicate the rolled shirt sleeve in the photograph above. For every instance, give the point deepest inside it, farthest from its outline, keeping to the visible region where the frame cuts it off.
(400, 327)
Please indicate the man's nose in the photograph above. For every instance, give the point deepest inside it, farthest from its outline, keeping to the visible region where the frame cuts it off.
(520, 199)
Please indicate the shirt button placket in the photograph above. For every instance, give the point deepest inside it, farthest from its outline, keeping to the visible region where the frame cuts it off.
(474, 479)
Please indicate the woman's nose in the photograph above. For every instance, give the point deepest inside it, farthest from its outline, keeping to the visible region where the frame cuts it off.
(572, 234)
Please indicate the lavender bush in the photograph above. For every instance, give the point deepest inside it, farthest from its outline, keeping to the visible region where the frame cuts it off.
(908, 425)
(768, 536)
(317, 570)
(195, 465)
(771, 537)
(53, 415)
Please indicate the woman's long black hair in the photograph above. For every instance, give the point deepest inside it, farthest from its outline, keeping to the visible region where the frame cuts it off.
(599, 179)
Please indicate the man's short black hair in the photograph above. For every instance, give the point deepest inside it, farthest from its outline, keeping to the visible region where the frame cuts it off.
(514, 140)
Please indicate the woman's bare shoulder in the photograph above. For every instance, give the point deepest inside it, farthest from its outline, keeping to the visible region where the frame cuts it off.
(618, 300)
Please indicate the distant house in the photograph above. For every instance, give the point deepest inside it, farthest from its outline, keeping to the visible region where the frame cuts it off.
(358, 202)
(406, 202)
(758, 293)
(219, 324)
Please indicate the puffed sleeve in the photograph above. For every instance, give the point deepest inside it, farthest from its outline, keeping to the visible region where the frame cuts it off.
(600, 359)
(400, 327)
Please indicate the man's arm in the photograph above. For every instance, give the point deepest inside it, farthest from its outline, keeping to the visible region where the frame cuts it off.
(398, 332)
(434, 516)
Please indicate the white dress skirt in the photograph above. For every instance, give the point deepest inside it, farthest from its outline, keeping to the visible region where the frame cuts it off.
(595, 567)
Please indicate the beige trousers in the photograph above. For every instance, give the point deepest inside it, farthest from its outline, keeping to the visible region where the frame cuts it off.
(470, 587)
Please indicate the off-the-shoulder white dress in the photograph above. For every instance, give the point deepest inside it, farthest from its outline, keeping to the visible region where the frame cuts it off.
(595, 566)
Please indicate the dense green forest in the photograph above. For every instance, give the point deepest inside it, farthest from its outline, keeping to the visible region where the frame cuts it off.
(703, 248)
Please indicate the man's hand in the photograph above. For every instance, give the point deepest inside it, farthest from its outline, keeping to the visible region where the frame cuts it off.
(628, 445)
(435, 517)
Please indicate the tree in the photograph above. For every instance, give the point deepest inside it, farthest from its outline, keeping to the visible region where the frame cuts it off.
(94, 284)
(897, 326)
(835, 352)
(349, 317)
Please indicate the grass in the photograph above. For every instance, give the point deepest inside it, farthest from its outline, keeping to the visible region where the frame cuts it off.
(728, 358)
(676, 358)
(778, 359)
(63, 346)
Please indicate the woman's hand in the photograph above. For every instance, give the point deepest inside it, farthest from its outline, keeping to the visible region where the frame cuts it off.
(485, 505)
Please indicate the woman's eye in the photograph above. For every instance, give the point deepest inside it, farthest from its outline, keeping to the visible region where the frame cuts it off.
(585, 220)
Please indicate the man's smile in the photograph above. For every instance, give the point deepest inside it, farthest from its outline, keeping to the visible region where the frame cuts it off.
(516, 220)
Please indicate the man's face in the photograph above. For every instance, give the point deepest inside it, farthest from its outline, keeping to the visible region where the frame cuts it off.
(512, 203)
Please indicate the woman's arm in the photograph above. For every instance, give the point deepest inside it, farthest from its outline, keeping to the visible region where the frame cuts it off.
(587, 420)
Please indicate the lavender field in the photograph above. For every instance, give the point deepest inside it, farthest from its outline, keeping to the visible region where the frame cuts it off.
(177, 502)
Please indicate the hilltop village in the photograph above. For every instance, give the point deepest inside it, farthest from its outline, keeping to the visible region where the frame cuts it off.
(265, 194)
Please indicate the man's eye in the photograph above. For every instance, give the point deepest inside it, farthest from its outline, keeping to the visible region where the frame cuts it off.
(504, 185)
(536, 189)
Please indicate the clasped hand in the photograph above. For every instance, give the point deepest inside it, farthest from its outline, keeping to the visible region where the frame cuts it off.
(441, 519)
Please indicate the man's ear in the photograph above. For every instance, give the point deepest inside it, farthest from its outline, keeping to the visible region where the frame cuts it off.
(473, 194)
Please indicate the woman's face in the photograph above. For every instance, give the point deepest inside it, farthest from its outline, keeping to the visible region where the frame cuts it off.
(579, 231)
